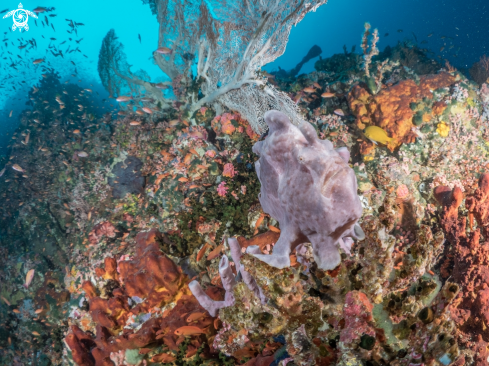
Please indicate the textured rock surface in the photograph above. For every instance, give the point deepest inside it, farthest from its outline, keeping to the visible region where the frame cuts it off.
(467, 264)
(127, 178)
(308, 187)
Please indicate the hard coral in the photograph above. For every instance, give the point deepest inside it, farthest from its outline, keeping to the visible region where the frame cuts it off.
(308, 187)
(391, 109)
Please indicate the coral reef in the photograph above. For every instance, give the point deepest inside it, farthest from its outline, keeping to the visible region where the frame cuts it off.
(118, 214)
(396, 109)
(141, 302)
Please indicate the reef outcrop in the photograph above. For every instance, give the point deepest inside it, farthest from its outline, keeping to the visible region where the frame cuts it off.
(400, 107)
(127, 178)
(149, 306)
(468, 259)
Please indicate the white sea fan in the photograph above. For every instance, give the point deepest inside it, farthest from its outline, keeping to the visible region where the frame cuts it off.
(246, 36)
(252, 101)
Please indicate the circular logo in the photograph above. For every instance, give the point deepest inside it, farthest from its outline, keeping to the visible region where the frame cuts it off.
(20, 18)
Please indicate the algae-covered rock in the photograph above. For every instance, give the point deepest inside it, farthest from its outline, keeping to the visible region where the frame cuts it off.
(127, 178)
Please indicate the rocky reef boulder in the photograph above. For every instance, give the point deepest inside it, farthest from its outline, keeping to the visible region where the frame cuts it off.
(127, 178)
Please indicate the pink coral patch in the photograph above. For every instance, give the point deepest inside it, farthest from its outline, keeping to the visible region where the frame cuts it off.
(222, 189)
(402, 191)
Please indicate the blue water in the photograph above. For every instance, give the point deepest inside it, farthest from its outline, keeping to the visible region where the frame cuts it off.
(338, 23)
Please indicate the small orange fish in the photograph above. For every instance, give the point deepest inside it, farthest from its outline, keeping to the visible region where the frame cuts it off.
(327, 95)
(147, 110)
(163, 357)
(5, 300)
(164, 51)
(188, 330)
(214, 253)
(173, 122)
(339, 112)
(195, 316)
(183, 179)
(17, 168)
(123, 99)
(28, 278)
(201, 252)
(273, 228)
(309, 90)
(134, 123)
(143, 351)
(16, 311)
(38, 311)
(35, 333)
(139, 112)
(76, 132)
(258, 222)
(187, 158)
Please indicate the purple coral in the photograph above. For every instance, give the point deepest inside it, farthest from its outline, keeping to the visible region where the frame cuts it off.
(308, 187)
(228, 281)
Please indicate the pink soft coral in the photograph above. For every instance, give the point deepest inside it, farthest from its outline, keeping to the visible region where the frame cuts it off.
(229, 170)
(222, 189)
